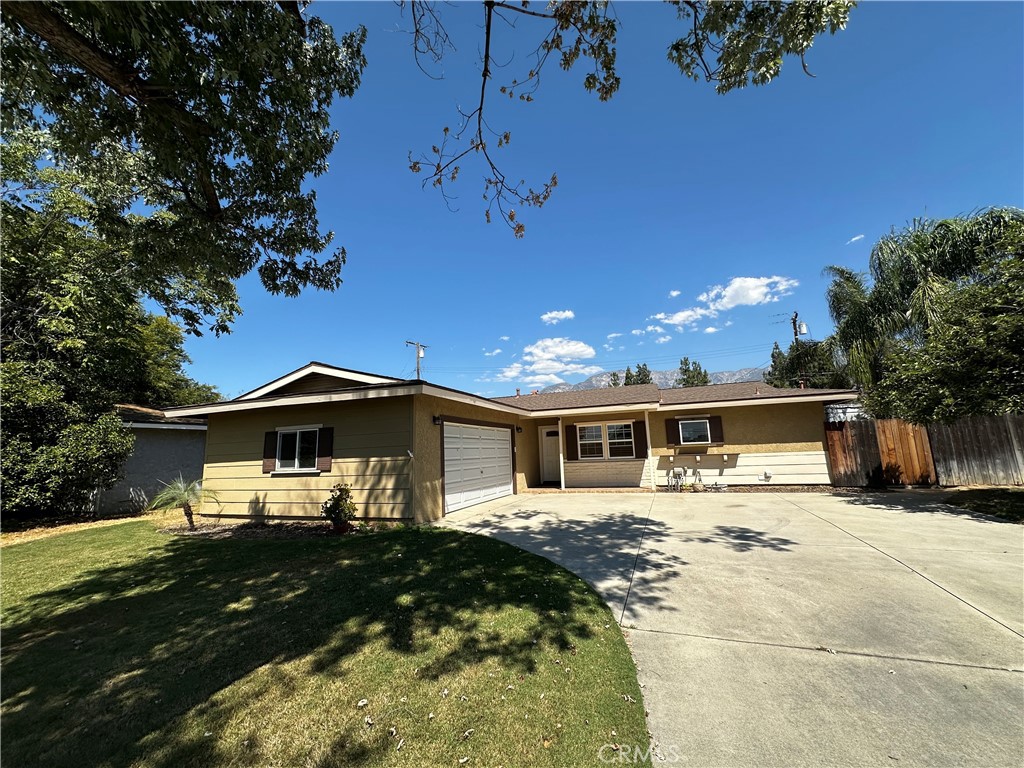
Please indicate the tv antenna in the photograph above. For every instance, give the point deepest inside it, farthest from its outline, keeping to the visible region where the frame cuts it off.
(419, 354)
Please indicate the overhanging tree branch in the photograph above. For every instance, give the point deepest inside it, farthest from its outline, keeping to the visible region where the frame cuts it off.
(127, 82)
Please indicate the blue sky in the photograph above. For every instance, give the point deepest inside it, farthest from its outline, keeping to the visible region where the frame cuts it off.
(684, 223)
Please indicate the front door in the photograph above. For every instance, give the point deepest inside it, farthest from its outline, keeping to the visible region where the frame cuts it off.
(549, 469)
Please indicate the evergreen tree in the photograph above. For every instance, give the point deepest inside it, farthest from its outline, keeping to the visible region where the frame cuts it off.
(615, 381)
(643, 374)
(691, 374)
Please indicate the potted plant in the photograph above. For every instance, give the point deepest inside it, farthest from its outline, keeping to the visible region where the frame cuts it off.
(339, 508)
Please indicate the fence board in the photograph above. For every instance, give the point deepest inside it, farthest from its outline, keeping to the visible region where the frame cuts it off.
(979, 450)
(905, 453)
(854, 458)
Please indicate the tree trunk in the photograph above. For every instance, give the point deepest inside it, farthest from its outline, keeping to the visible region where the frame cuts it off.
(187, 509)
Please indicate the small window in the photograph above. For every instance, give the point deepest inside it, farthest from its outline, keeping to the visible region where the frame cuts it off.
(591, 442)
(620, 441)
(296, 449)
(694, 431)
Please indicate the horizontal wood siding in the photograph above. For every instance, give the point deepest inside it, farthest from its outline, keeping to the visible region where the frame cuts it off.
(372, 440)
(786, 468)
(622, 473)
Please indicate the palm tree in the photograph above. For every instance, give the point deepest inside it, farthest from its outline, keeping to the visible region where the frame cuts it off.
(911, 271)
(185, 495)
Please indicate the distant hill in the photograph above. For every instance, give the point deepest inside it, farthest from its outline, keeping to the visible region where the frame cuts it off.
(664, 379)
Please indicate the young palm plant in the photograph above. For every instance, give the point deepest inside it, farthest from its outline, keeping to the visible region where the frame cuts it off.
(184, 495)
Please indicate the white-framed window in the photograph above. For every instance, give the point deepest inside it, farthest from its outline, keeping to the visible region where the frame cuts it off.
(591, 440)
(620, 440)
(296, 448)
(694, 432)
(613, 440)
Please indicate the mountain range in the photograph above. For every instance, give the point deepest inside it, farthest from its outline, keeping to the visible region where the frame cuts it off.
(664, 379)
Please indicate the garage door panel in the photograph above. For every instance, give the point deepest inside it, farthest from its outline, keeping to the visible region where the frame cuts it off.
(477, 464)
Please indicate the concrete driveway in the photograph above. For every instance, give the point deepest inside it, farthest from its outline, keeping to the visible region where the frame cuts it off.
(801, 629)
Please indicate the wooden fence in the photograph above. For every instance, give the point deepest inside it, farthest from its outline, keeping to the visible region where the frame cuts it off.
(980, 450)
(879, 452)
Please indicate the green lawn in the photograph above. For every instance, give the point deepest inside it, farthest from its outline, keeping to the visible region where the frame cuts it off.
(1006, 503)
(125, 646)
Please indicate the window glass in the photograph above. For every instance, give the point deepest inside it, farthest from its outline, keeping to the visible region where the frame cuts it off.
(694, 431)
(296, 449)
(620, 440)
(307, 449)
(591, 442)
(286, 449)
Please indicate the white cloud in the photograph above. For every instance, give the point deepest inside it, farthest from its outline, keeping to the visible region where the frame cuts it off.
(672, 294)
(614, 335)
(557, 316)
(547, 360)
(655, 329)
(748, 292)
(503, 338)
(854, 239)
(542, 381)
(662, 339)
(738, 292)
(637, 332)
(683, 317)
(711, 329)
(492, 353)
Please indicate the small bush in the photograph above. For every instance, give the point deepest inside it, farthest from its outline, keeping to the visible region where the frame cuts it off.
(339, 507)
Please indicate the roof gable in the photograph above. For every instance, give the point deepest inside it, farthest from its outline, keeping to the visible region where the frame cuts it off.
(316, 377)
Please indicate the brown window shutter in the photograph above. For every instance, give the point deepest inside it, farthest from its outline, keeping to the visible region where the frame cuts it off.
(269, 452)
(639, 439)
(715, 429)
(672, 431)
(325, 449)
(572, 447)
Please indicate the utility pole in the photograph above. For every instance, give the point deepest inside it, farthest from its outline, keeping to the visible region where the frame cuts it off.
(799, 329)
(419, 354)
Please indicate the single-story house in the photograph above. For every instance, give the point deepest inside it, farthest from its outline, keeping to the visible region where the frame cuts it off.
(412, 450)
(165, 447)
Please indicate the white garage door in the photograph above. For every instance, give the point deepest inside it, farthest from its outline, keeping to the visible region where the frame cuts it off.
(477, 465)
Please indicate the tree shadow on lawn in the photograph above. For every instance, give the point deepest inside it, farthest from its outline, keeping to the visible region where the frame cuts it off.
(92, 670)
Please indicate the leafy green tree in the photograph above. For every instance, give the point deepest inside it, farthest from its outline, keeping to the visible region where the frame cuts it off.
(971, 361)
(55, 452)
(615, 380)
(811, 363)
(183, 495)
(210, 115)
(691, 374)
(75, 340)
(629, 377)
(68, 297)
